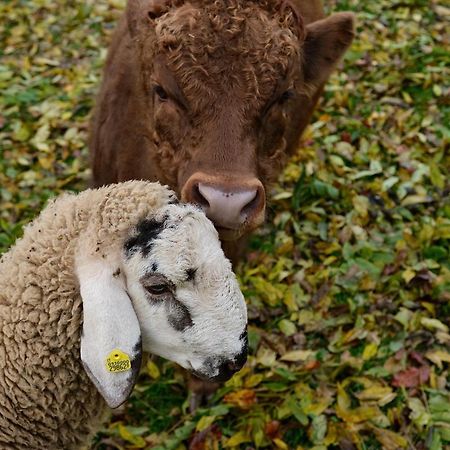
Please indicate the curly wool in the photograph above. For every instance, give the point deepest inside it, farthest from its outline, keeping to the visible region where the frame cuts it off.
(47, 400)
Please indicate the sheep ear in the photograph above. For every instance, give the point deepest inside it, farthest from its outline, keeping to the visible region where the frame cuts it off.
(111, 337)
(326, 42)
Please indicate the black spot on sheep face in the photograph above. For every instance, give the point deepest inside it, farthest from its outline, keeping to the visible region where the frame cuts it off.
(185, 295)
(146, 232)
(190, 274)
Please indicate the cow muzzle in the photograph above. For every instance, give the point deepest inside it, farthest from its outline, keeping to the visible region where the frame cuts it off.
(235, 206)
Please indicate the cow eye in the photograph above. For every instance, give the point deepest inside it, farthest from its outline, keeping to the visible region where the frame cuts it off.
(285, 96)
(161, 93)
(158, 289)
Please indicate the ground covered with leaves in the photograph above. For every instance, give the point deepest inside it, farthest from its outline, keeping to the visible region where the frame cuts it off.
(348, 285)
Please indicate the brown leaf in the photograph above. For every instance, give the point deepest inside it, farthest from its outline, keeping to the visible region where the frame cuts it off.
(412, 377)
(271, 429)
(321, 293)
(204, 439)
(312, 364)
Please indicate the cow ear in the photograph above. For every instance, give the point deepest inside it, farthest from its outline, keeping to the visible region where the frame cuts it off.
(143, 12)
(326, 42)
(111, 337)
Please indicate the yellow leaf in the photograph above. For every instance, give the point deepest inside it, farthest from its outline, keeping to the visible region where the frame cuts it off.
(333, 434)
(434, 324)
(386, 399)
(419, 414)
(317, 408)
(268, 291)
(343, 400)
(355, 415)
(289, 301)
(407, 97)
(119, 4)
(253, 380)
(40, 138)
(47, 162)
(205, 422)
(355, 333)
(370, 350)
(443, 338)
(375, 392)
(361, 205)
(280, 444)
(388, 439)
(367, 283)
(360, 414)
(266, 357)
(237, 439)
(408, 275)
(153, 370)
(443, 231)
(297, 355)
(429, 307)
(437, 356)
(125, 434)
(329, 260)
(437, 90)
(415, 199)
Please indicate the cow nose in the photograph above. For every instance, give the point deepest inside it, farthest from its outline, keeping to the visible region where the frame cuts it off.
(227, 208)
(232, 204)
(235, 204)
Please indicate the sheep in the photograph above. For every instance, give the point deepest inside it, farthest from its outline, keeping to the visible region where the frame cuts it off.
(97, 279)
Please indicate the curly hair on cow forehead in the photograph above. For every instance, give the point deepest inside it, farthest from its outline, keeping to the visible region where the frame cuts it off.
(216, 47)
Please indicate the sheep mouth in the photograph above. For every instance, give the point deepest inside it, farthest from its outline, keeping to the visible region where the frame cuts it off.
(201, 375)
(215, 378)
(222, 371)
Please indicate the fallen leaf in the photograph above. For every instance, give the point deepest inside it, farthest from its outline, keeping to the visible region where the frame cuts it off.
(411, 377)
(244, 398)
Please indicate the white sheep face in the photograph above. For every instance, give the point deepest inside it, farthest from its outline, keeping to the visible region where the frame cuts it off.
(186, 297)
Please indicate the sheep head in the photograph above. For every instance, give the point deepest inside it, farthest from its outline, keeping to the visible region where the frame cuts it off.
(169, 291)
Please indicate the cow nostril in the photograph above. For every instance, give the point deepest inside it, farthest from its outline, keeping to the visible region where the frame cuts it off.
(252, 205)
(198, 198)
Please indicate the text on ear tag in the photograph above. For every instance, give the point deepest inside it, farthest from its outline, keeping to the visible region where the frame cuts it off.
(118, 361)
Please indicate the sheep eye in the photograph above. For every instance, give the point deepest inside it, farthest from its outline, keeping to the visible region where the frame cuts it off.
(158, 289)
(160, 92)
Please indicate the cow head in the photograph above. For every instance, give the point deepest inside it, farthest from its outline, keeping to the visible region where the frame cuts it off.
(228, 84)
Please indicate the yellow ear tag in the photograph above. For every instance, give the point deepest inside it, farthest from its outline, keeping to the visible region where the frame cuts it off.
(118, 361)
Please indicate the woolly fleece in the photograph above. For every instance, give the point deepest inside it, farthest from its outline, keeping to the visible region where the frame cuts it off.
(46, 398)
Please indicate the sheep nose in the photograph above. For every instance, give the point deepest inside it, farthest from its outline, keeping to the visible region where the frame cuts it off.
(229, 367)
(230, 205)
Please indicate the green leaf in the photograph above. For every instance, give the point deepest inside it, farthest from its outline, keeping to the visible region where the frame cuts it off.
(287, 327)
(296, 410)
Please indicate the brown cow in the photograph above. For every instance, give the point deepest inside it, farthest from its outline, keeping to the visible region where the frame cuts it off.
(210, 97)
